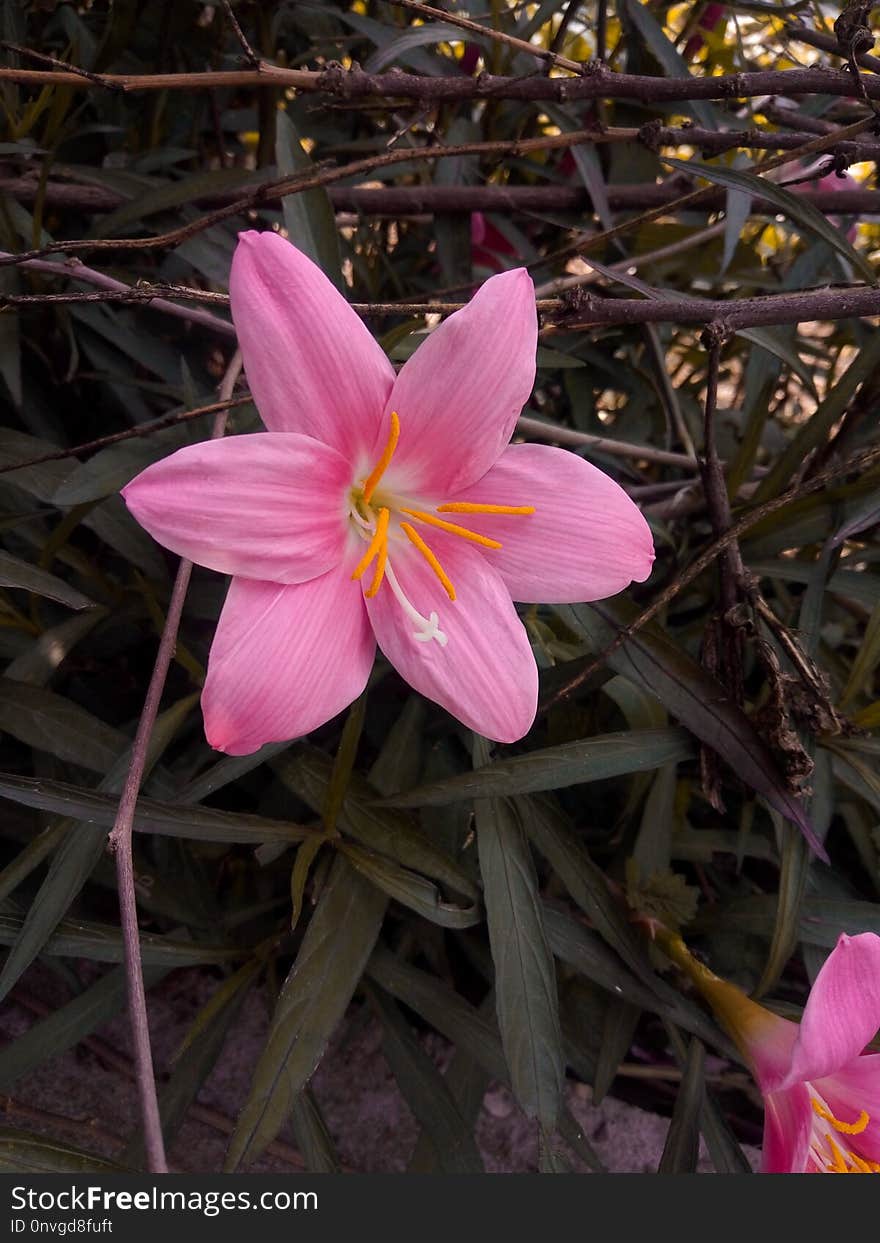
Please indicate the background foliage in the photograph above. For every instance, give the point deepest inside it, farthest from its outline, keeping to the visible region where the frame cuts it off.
(485, 894)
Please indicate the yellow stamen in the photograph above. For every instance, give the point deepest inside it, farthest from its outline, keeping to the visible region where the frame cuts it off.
(838, 1165)
(432, 521)
(413, 536)
(376, 543)
(845, 1128)
(379, 572)
(382, 465)
(467, 507)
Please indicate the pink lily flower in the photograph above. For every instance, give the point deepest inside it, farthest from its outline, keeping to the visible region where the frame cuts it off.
(821, 1091)
(342, 524)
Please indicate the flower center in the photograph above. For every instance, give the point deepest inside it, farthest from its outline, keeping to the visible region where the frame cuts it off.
(831, 1155)
(378, 518)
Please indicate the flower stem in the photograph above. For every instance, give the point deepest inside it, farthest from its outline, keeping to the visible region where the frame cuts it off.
(120, 843)
(737, 1012)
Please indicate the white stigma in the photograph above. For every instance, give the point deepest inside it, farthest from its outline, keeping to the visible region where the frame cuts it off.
(427, 628)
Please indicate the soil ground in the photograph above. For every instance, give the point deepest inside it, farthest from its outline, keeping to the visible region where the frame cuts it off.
(86, 1097)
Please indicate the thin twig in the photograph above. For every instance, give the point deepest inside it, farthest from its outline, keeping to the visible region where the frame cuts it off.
(131, 433)
(552, 288)
(714, 483)
(120, 842)
(827, 43)
(424, 200)
(585, 311)
(722, 652)
(531, 427)
(597, 82)
(325, 176)
(521, 45)
(96, 79)
(74, 270)
(854, 302)
(250, 55)
(694, 197)
(602, 444)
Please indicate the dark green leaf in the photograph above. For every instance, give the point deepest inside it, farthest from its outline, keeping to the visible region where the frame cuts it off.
(793, 205)
(525, 980)
(27, 577)
(682, 1148)
(312, 1137)
(588, 759)
(424, 1090)
(386, 832)
(671, 61)
(308, 217)
(333, 953)
(197, 823)
(24, 1153)
(414, 891)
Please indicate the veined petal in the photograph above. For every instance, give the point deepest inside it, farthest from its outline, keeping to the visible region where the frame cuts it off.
(586, 539)
(311, 363)
(460, 394)
(850, 1091)
(266, 506)
(486, 674)
(285, 660)
(842, 1012)
(788, 1122)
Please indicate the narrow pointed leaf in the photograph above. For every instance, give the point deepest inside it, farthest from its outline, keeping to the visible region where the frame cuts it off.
(331, 958)
(682, 1148)
(525, 979)
(550, 768)
(425, 1092)
(793, 205)
(26, 577)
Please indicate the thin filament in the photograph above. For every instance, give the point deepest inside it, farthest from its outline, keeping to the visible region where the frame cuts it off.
(376, 543)
(472, 507)
(838, 1162)
(379, 572)
(381, 466)
(413, 536)
(451, 527)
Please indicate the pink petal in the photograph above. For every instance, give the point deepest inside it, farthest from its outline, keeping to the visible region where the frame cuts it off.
(486, 674)
(855, 1088)
(285, 660)
(586, 539)
(788, 1123)
(459, 396)
(265, 506)
(311, 363)
(842, 1012)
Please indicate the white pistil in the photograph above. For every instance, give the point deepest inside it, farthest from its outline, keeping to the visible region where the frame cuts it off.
(428, 628)
(362, 522)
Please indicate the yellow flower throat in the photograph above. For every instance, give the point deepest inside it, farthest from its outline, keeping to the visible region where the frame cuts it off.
(371, 511)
